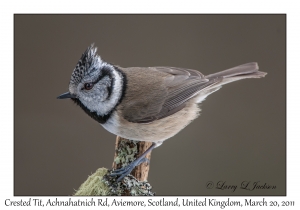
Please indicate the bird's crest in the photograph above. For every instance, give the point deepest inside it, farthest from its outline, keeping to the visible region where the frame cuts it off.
(88, 62)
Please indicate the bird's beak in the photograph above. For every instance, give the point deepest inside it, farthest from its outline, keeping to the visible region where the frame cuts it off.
(66, 95)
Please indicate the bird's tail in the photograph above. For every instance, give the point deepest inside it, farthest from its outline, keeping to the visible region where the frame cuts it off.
(248, 70)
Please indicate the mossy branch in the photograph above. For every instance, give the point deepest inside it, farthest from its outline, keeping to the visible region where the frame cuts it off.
(136, 183)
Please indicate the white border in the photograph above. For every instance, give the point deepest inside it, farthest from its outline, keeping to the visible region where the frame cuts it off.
(8, 8)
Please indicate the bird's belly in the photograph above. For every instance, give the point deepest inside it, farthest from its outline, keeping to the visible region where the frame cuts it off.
(158, 130)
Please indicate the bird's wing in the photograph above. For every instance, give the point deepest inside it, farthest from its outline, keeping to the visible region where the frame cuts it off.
(163, 91)
(177, 87)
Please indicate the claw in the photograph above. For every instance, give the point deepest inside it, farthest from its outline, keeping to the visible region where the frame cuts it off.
(120, 171)
(127, 169)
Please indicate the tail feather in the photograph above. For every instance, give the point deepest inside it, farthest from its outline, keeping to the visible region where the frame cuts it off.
(248, 70)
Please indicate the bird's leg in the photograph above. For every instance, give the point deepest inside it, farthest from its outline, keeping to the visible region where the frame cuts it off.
(127, 169)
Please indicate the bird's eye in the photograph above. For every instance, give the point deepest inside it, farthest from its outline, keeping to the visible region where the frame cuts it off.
(88, 86)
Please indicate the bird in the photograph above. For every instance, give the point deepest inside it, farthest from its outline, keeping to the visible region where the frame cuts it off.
(145, 103)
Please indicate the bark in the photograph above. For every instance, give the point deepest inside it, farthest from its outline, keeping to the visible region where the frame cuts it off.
(136, 149)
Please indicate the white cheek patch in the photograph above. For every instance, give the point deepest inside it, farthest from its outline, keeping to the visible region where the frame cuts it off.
(100, 102)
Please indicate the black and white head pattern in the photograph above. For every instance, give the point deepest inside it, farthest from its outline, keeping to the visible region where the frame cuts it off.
(97, 85)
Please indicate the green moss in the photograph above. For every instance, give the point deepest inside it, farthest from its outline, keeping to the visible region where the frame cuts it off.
(99, 184)
(95, 185)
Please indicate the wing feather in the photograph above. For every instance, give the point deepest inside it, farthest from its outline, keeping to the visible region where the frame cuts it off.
(180, 86)
(158, 92)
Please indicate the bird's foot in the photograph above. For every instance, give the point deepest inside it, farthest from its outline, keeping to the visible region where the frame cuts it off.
(127, 169)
